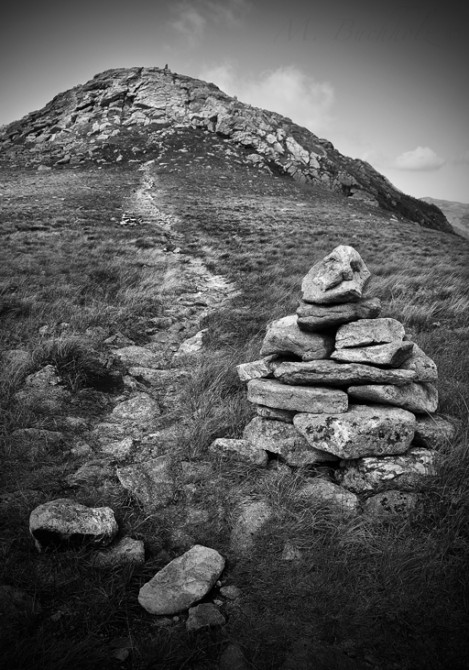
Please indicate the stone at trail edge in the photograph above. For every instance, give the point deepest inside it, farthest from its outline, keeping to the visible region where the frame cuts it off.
(151, 482)
(393, 354)
(184, 581)
(406, 472)
(389, 503)
(339, 277)
(205, 615)
(434, 432)
(66, 522)
(364, 332)
(316, 318)
(283, 439)
(338, 374)
(241, 450)
(272, 393)
(419, 398)
(253, 515)
(362, 431)
(138, 356)
(139, 408)
(283, 336)
(324, 491)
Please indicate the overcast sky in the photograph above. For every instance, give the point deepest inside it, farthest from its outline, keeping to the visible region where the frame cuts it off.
(384, 81)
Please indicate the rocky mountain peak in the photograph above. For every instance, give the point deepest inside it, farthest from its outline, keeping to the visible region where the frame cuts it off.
(125, 114)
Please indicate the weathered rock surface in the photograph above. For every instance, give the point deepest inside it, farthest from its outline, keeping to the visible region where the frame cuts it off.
(332, 373)
(417, 398)
(316, 318)
(389, 503)
(406, 472)
(434, 432)
(192, 346)
(140, 408)
(393, 354)
(323, 491)
(362, 431)
(283, 439)
(139, 356)
(290, 552)
(275, 414)
(364, 332)
(119, 450)
(255, 369)
(150, 482)
(253, 515)
(184, 581)
(66, 522)
(285, 337)
(425, 369)
(205, 615)
(126, 552)
(272, 393)
(339, 277)
(43, 378)
(242, 450)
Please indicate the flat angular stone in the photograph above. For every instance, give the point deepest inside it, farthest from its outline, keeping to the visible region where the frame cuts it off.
(182, 582)
(140, 356)
(68, 523)
(423, 366)
(241, 450)
(150, 482)
(284, 415)
(393, 354)
(362, 431)
(285, 337)
(140, 408)
(369, 331)
(340, 277)
(332, 373)
(255, 369)
(316, 318)
(390, 503)
(125, 552)
(321, 490)
(205, 615)
(254, 514)
(407, 472)
(272, 393)
(283, 439)
(417, 398)
(434, 432)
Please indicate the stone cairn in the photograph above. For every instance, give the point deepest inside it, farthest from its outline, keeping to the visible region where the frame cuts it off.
(337, 383)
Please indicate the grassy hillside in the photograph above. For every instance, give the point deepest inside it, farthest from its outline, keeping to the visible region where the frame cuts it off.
(366, 593)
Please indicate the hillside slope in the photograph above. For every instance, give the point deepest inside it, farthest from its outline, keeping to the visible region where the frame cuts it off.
(121, 114)
(457, 214)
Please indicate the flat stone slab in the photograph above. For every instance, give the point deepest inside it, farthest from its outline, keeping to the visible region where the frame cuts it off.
(139, 408)
(254, 514)
(283, 439)
(323, 491)
(240, 450)
(392, 354)
(284, 415)
(139, 356)
(332, 373)
(418, 398)
(362, 431)
(151, 482)
(273, 393)
(183, 582)
(340, 277)
(283, 336)
(434, 432)
(369, 331)
(316, 318)
(425, 369)
(406, 472)
(64, 522)
(255, 369)
(390, 503)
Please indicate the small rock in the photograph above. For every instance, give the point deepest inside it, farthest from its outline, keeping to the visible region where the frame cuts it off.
(255, 369)
(119, 450)
(285, 337)
(390, 503)
(205, 615)
(230, 592)
(434, 432)
(91, 473)
(254, 515)
(290, 552)
(339, 278)
(275, 414)
(393, 354)
(425, 369)
(139, 356)
(316, 318)
(192, 345)
(138, 409)
(44, 378)
(150, 482)
(126, 552)
(66, 522)
(364, 332)
(323, 491)
(241, 450)
(182, 582)
(272, 393)
(420, 398)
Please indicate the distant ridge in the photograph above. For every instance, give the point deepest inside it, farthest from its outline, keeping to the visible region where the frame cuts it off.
(120, 114)
(457, 214)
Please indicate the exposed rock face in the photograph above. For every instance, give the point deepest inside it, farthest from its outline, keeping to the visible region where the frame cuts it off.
(150, 482)
(242, 450)
(68, 523)
(182, 582)
(364, 332)
(316, 318)
(285, 337)
(339, 278)
(331, 373)
(423, 366)
(272, 393)
(362, 431)
(393, 354)
(417, 398)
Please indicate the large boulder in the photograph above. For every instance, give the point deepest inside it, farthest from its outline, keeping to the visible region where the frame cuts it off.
(283, 439)
(418, 398)
(272, 393)
(362, 431)
(364, 332)
(392, 354)
(316, 318)
(64, 522)
(182, 582)
(331, 373)
(340, 277)
(285, 337)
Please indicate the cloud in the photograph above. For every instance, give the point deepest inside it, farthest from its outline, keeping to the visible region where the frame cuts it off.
(286, 90)
(419, 159)
(191, 17)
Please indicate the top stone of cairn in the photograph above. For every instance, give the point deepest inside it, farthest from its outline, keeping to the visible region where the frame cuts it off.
(340, 277)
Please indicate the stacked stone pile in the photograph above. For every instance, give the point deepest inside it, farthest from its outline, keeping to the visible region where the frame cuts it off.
(338, 383)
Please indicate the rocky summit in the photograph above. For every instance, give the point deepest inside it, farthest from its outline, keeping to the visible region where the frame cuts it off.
(124, 115)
